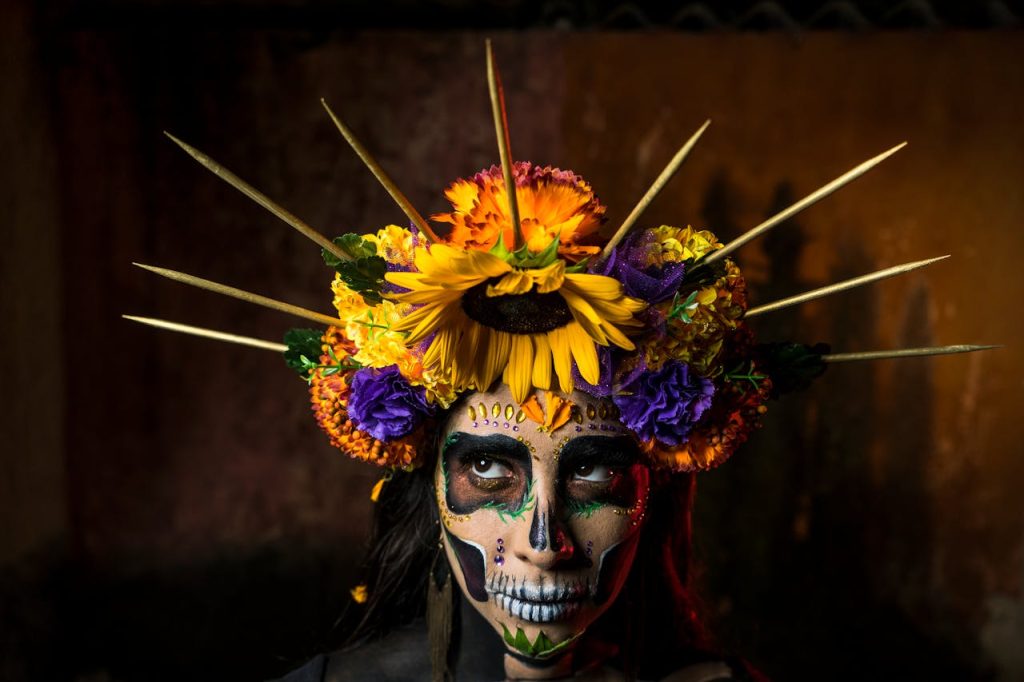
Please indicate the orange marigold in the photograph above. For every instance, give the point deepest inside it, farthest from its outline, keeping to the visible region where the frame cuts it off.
(552, 204)
(329, 400)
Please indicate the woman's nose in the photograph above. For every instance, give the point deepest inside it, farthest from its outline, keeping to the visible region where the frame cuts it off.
(548, 542)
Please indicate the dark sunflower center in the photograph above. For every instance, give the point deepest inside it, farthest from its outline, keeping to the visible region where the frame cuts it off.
(529, 313)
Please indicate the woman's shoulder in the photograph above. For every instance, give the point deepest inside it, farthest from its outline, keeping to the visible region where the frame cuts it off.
(398, 656)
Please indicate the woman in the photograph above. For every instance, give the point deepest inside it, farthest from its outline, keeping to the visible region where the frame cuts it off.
(571, 557)
(540, 399)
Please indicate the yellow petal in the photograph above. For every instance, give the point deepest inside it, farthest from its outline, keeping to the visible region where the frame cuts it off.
(585, 315)
(584, 352)
(496, 351)
(520, 367)
(515, 282)
(550, 278)
(561, 356)
(541, 361)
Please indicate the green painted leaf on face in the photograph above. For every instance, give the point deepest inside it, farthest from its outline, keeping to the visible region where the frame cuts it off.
(542, 647)
(522, 643)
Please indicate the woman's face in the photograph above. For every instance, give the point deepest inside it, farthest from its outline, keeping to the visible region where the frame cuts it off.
(540, 526)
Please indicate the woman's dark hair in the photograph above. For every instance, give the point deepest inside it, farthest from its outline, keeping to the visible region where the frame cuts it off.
(654, 639)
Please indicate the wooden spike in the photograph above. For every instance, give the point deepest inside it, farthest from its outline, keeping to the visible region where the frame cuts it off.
(260, 198)
(209, 333)
(811, 198)
(504, 144)
(243, 295)
(649, 197)
(382, 177)
(903, 353)
(841, 286)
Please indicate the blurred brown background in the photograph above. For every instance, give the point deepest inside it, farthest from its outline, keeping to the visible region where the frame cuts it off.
(168, 508)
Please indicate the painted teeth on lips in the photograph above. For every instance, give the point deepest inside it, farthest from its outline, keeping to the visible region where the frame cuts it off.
(536, 602)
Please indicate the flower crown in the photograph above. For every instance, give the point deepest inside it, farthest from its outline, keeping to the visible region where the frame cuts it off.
(515, 283)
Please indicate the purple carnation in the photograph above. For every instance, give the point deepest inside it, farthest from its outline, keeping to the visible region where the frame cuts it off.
(628, 264)
(385, 405)
(664, 404)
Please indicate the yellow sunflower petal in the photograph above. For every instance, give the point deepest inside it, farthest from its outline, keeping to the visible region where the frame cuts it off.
(561, 357)
(463, 365)
(585, 314)
(541, 361)
(550, 278)
(515, 282)
(496, 354)
(584, 352)
(519, 370)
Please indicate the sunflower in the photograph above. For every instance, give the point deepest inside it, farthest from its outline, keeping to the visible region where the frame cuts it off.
(489, 318)
(553, 204)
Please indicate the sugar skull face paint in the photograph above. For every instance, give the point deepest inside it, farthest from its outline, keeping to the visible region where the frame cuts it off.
(540, 527)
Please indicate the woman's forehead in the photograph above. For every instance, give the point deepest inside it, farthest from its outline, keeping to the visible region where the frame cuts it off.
(545, 422)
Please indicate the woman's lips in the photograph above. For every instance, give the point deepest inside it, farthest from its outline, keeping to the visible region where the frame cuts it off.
(537, 602)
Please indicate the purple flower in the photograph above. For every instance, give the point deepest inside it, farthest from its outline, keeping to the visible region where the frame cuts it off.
(385, 405)
(664, 404)
(628, 264)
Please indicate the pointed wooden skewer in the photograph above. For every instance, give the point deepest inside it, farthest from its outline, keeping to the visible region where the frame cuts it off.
(841, 286)
(504, 144)
(903, 353)
(243, 295)
(649, 197)
(260, 198)
(208, 333)
(811, 198)
(382, 177)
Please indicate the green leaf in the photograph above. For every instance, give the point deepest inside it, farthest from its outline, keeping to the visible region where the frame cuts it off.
(579, 267)
(365, 276)
(354, 246)
(500, 250)
(303, 344)
(791, 366)
(523, 257)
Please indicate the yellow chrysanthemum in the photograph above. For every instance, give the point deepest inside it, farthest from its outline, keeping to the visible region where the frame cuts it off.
(698, 342)
(489, 318)
(372, 330)
(683, 243)
(553, 204)
(395, 245)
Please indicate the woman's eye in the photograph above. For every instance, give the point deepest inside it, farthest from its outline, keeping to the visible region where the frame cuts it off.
(490, 468)
(594, 473)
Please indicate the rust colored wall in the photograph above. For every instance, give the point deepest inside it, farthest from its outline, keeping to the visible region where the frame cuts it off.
(874, 526)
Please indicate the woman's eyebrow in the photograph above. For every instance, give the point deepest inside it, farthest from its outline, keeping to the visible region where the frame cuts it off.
(460, 443)
(611, 450)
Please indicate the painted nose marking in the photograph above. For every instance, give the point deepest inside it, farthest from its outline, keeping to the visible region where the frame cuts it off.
(539, 529)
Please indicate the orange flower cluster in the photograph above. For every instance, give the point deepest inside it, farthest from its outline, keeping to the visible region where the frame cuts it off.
(329, 399)
(553, 204)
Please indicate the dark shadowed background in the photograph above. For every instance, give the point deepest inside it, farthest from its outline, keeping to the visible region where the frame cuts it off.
(168, 508)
